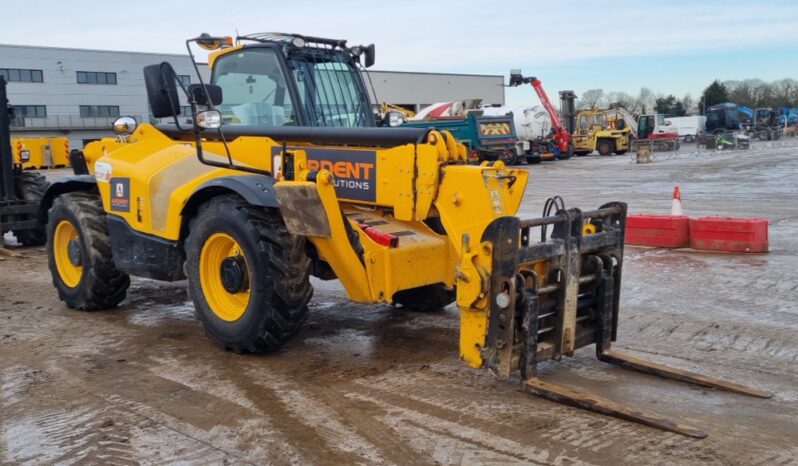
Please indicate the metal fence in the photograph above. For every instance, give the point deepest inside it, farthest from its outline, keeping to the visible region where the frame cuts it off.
(707, 144)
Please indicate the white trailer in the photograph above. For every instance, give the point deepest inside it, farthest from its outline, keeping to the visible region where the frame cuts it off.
(689, 127)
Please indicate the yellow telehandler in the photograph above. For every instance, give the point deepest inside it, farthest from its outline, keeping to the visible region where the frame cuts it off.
(284, 173)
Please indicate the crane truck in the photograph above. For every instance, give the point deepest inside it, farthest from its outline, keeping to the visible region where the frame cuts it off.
(274, 181)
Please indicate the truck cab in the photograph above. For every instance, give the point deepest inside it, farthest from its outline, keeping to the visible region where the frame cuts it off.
(722, 117)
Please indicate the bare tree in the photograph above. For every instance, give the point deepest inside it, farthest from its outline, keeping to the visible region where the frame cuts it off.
(689, 105)
(645, 100)
(591, 98)
(621, 99)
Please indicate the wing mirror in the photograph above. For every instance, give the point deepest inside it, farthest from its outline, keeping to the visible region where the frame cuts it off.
(212, 97)
(370, 55)
(160, 81)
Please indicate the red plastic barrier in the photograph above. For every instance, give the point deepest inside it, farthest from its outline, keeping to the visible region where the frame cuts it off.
(665, 231)
(729, 234)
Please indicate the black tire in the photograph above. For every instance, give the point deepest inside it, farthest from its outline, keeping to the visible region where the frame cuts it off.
(102, 285)
(533, 159)
(31, 187)
(512, 158)
(425, 298)
(278, 275)
(568, 154)
(605, 147)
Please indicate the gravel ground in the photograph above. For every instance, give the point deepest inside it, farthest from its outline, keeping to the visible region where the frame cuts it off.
(372, 384)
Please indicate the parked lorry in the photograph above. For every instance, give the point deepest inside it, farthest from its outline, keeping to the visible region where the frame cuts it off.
(532, 126)
(723, 128)
(486, 137)
(688, 127)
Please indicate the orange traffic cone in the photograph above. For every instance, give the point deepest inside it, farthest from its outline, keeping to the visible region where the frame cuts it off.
(676, 206)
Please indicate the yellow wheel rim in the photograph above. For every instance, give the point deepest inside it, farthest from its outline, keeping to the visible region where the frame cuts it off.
(69, 272)
(226, 305)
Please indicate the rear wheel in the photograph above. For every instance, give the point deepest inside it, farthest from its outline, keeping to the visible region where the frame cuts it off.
(247, 275)
(31, 187)
(425, 298)
(79, 254)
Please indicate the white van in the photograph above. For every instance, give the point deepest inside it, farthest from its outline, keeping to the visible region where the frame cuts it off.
(689, 127)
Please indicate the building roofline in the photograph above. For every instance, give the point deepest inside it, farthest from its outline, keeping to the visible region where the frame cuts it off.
(439, 74)
(77, 49)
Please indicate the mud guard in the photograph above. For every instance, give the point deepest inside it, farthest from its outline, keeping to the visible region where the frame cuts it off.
(65, 184)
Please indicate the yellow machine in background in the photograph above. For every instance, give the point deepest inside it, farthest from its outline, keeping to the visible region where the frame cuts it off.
(386, 107)
(41, 152)
(284, 189)
(599, 130)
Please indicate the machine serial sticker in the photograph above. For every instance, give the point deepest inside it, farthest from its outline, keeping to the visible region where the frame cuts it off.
(102, 172)
(497, 201)
(120, 194)
(354, 171)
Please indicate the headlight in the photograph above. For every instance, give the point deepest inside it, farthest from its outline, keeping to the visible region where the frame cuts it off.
(208, 119)
(298, 42)
(24, 156)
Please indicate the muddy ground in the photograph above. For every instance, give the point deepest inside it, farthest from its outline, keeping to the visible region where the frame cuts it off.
(373, 384)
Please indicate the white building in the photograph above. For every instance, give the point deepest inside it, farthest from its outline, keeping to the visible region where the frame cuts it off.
(79, 92)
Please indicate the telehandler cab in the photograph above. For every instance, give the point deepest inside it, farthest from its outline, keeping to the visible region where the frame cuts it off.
(284, 174)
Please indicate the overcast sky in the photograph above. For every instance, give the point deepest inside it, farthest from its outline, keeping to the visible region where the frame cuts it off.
(671, 46)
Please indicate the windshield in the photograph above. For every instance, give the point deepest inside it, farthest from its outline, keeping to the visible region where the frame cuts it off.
(254, 89)
(330, 89)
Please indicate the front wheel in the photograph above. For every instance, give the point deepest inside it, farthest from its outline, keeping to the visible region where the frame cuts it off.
(605, 147)
(79, 254)
(247, 275)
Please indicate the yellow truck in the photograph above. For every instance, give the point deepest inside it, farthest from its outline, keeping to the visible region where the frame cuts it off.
(600, 130)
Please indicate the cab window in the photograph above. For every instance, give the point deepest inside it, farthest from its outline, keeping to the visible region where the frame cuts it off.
(254, 89)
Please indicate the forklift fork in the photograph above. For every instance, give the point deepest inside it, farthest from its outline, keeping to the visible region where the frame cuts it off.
(574, 305)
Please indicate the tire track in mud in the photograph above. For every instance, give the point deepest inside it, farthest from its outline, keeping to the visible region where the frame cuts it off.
(758, 348)
(567, 431)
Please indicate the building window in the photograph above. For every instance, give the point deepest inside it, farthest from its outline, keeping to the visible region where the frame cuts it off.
(96, 77)
(87, 111)
(17, 75)
(29, 111)
(184, 79)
